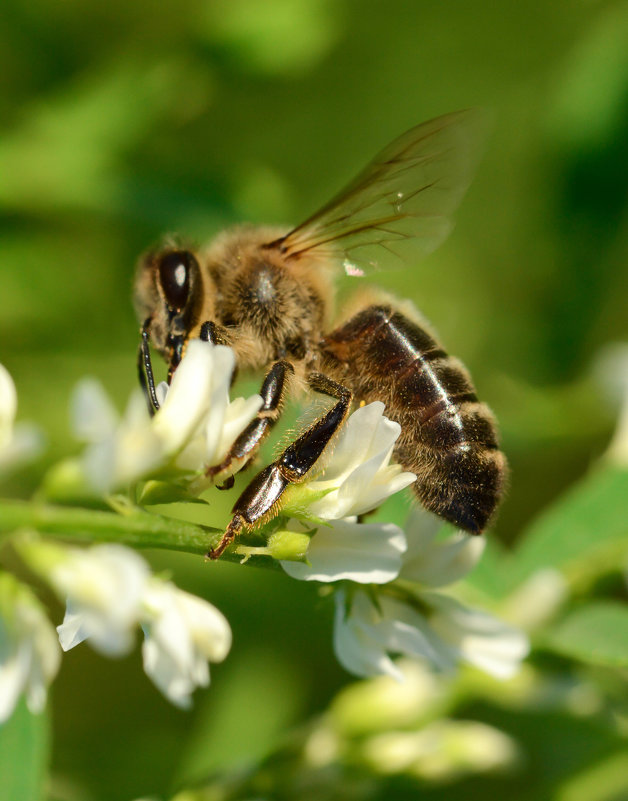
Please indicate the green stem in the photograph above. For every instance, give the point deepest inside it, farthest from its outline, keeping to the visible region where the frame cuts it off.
(138, 528)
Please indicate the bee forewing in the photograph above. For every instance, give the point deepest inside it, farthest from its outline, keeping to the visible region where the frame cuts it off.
(404, 198)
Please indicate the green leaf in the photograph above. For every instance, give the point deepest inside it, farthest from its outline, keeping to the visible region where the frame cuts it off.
(583, 534)
(606, 780)
(595, 633)
(24, 752)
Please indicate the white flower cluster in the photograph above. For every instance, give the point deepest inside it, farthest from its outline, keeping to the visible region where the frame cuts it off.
(193, 429)
(416, 622)
(29, 651)
(397, 614)
(357, 478)
(21, 443)
(385, 607)
(110, 593)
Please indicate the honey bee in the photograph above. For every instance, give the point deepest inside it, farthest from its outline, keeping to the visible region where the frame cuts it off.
(268, 294)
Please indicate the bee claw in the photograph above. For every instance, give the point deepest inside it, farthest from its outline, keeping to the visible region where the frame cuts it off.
(231, 532)
(227, 484)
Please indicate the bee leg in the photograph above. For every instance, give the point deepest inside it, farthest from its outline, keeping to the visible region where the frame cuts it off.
(145, 370)
(211, 333)
(291, 467)
(246, 445)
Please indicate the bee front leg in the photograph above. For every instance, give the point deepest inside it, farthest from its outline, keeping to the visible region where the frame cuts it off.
(292, 466)
(145, 370)
(209, 333)
(245, 447)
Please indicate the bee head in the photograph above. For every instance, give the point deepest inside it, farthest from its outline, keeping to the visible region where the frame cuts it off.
(167, 299)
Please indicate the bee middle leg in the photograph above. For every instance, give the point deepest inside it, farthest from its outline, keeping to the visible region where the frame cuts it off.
(292, 466)
(245, 447)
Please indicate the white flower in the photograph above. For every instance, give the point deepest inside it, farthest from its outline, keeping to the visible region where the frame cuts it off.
(120, 451)
(477, 637)
(406, 620)
(356, 478)
(437, 564)
(194, 427)
(29, 651)
(111, 593)
(367, 553)
(183, 633)
(104, 586)
(367, 632)
(358, 472)
(19, 443)
(611, 371)
(8, 406)
(208, 430)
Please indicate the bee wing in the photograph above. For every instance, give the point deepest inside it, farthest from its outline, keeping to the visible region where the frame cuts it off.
(403, 200)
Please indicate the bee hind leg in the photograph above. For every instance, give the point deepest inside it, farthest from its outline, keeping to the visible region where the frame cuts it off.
(292, 466)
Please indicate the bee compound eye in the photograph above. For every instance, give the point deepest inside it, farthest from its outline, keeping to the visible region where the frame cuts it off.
(174, 277)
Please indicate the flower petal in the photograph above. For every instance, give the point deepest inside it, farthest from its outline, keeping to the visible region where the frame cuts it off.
(364, 638)
(223, 365)
(481, 639)
(358, 471)
(356, 649)
(29, 651)
(182, 633)
(437, 564)
(364, 553)
(104, 586)
(14, 667)
(71, 632)
(209, 627)
(8, 405)
(188, 399)
(365, 434)
(25, 445)
(92, 414)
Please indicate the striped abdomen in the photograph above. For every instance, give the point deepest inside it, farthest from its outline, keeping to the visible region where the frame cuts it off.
(448, 438)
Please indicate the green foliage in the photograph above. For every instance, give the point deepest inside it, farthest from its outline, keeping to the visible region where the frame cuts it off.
(584, 533)
(595, 632)
(24, 756)
(124, 121)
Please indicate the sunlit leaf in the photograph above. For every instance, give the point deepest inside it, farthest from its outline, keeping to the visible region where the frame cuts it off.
(276, 37)
(605, 780)
(595, 633)
(584, 532)
(24, 752)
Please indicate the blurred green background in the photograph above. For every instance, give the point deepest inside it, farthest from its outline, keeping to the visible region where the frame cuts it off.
(123, 121)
